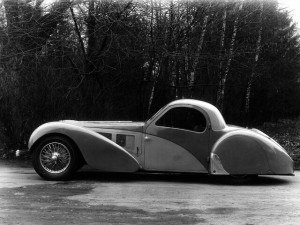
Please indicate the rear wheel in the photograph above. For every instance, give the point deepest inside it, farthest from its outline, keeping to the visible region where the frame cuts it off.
(55, 158)
(242, 178)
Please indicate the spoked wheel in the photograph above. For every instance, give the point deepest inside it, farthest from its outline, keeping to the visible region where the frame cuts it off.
(55, 158)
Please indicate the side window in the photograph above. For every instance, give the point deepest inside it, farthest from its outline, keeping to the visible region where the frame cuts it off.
(183, 118)
(126, 141)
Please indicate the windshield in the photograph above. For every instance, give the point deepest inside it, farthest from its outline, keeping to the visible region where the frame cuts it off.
(158, 112)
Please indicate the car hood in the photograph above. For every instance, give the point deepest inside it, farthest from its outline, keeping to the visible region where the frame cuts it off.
(117, 125)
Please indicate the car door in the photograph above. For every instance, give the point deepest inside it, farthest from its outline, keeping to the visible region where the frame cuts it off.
(177, 140)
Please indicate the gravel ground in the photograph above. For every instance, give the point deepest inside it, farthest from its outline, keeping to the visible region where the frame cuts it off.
(104, 198)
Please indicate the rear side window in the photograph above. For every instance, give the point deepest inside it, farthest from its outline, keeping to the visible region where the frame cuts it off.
(183, 118)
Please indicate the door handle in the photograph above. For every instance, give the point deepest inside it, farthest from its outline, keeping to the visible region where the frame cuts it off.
(138, 151)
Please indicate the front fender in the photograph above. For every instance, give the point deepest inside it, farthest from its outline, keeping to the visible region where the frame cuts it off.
(249, 152)
(98, 151)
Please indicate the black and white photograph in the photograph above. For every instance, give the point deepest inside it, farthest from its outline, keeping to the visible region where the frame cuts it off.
(150, 112)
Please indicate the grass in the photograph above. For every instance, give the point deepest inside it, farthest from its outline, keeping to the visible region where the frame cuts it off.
(287, 134)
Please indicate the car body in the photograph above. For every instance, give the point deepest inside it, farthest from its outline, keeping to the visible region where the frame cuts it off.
(184, 136)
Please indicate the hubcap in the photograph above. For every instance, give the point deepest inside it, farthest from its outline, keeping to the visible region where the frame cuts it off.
(55, 157)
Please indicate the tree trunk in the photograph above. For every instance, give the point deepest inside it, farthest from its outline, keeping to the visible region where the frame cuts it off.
(187, 57)
(222, 81)
(91, 44)
(78, 35)
(257, 54)
(160, 91)
(198, 52)
(151, 97)
(222, 44)
(12, 17)
(152, 64)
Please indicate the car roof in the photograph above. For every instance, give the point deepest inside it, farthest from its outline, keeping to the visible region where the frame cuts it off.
(216, 118)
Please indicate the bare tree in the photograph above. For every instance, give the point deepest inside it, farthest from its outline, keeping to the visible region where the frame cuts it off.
(222, 81)
(222, 42)
(199, 48)
(257, 54)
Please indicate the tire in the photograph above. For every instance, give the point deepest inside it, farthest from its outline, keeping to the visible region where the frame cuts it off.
(242, 178)
(55, 158)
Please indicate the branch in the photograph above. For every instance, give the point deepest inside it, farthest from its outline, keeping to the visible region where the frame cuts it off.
(79, 35)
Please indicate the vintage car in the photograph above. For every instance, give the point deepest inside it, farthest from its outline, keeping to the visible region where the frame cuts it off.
(184, 136)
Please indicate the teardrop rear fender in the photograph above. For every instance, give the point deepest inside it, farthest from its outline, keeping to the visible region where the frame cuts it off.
(241, 152)
(98, 151)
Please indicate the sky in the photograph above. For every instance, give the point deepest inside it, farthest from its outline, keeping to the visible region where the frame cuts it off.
(293, 6)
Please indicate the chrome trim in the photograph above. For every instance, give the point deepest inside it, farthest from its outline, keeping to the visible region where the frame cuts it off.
(216, 167)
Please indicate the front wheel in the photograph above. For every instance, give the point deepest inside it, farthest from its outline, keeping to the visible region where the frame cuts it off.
(55, 158)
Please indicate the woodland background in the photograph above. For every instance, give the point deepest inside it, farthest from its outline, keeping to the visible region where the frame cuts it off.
(123, 60)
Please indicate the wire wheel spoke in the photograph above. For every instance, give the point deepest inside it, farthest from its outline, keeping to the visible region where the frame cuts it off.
(55, 157)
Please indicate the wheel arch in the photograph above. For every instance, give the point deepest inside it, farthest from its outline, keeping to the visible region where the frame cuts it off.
(56, 134)
(97, 150)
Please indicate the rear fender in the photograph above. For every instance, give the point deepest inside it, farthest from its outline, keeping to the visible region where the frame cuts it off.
(240, 152)
(98, 151)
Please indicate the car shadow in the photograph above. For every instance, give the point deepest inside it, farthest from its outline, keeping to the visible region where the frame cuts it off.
(93, 175)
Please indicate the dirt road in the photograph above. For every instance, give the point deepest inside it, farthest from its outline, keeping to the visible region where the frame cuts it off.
(96, 198)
